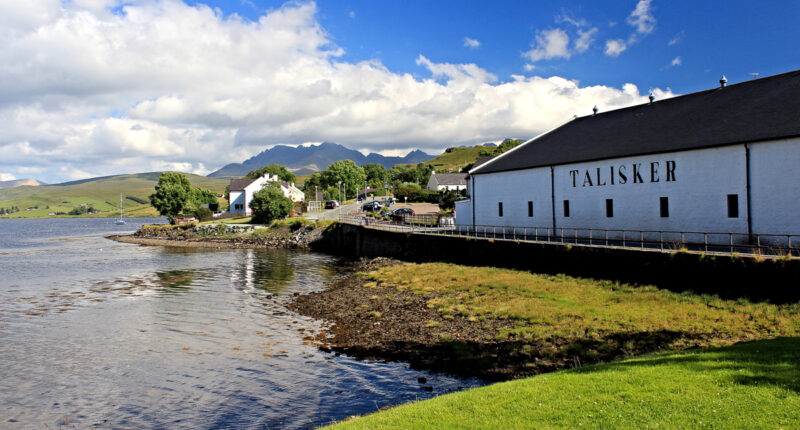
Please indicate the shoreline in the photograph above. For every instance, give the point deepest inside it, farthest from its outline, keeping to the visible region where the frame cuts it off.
(185, 243)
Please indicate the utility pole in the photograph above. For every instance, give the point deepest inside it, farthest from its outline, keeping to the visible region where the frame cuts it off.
(340, 190)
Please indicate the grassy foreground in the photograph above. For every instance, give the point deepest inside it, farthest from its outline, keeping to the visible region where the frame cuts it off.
(749, 385)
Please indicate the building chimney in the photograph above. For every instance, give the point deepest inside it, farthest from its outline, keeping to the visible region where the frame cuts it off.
(651, 97)
(723, 81)
(594, 109)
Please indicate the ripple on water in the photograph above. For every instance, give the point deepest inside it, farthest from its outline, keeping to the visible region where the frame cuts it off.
(153, 337)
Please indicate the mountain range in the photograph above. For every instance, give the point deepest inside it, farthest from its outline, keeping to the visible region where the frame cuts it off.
(20, 182)
(303, 160)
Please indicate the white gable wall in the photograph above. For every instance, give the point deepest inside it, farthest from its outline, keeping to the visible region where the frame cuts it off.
(775, 186)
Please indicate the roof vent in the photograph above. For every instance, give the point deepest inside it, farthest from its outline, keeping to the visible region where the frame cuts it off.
(651, 97)
(723, 81)
(594, 109)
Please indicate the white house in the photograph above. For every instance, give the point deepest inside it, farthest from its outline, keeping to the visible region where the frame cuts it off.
(721, 160)
(242, 190)
(447, 181)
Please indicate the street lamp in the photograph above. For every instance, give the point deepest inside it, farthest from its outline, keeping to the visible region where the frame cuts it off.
(340, 190)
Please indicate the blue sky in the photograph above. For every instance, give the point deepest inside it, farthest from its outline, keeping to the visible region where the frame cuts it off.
(101, 87)
(735, 38)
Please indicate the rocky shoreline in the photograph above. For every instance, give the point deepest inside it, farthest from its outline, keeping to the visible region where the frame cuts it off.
(223, 236)
(373, 322)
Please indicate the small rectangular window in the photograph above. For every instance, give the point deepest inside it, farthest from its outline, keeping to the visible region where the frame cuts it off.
(566, 208)
(733, 206)
(609, 208)
(530, 209)
(500, 209)
(664, 203)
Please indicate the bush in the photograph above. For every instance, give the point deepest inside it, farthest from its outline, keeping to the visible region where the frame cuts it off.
(269, 204)
(203, 214)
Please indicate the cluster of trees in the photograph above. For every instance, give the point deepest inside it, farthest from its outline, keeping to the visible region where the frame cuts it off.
(269, 204)
(81, 210)
(348, 177)
(504, 146)
(11, 210)
(174, 195)
(273, 169)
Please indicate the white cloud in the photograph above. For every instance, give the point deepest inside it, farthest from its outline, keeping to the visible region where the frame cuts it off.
(351, 14)
(642, 17)
(676, 61)
(615, 47)
(565, 17)
(7, 177)
(550, 44)
(677, 39)
(584, 40)
(471, 43)
(86, 92)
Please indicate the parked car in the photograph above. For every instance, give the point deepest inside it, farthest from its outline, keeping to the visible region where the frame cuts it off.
(331, 204)
(399, 213)
(372, 207)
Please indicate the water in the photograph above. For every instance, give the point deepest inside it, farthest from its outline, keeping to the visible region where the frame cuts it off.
(112, 335)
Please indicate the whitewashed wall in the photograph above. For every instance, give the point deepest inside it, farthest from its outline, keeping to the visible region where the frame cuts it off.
(697, 192)
(697, 186)
(514, 189)
(464, 213)
(775, 186)
(236, 197)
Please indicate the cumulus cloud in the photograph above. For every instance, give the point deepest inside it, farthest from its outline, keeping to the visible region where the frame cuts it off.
(553, 43)
(615, 47)
(584, 40)
(87, 91)
(7, 177)
(676, 61)
(642, 17)
(471, 43)
(677, 39)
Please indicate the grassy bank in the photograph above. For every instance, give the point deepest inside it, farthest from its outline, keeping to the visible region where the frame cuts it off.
(750, 385)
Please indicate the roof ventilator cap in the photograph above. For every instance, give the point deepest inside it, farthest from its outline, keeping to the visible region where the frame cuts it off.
(651, 97)
(723, 81)
(594, 109)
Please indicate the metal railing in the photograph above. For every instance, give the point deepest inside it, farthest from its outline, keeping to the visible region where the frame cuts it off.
(768, 245)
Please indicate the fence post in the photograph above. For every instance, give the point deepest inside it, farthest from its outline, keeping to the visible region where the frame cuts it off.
(641, 239)
(730, 236)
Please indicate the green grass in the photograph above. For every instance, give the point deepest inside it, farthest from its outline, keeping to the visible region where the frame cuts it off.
(747, 386)
(561, 307)
(455, 160)
(102, 193)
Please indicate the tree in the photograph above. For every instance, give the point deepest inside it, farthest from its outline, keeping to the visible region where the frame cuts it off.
(200, 197)
(172, 195)
(503, 147)
(376, 174)
(269, 203)
(346, 171)
(273, 169)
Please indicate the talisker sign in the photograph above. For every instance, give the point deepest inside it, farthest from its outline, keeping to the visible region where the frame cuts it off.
(636, 173)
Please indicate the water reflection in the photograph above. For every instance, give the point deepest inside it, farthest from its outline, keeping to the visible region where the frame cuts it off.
(268, 270)
(148, 337)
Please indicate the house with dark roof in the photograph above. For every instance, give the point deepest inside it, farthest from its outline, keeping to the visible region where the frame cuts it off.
(242, 190)
(722, 160)
(447, 182)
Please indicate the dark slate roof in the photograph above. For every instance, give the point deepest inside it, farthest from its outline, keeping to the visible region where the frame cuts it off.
(754, 110)
(240, 184)
(451, 178)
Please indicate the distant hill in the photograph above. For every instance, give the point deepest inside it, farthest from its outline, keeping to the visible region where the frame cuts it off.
(21, 182)
(304, 160)
(102, 193)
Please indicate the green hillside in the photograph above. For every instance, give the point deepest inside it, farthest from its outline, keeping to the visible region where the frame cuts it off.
(101, 193)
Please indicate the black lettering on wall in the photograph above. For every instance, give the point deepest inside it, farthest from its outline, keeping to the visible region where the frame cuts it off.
(623, 178)
(587, 179)
(599, 183)
(612, 175)
(654, 171)
(574, 174)
(670, 171)
(637, 177)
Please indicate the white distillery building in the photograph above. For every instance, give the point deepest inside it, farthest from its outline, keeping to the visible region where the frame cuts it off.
(721, 160)
(242, 190)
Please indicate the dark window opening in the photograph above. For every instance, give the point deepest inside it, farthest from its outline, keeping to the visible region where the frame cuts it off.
(609, 208)
(664, 203)
(500, 208)
(530, 209)
(733, 206)
(566, 208)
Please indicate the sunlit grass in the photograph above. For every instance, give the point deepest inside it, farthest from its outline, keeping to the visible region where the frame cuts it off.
(747, 386)
(548, 307)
